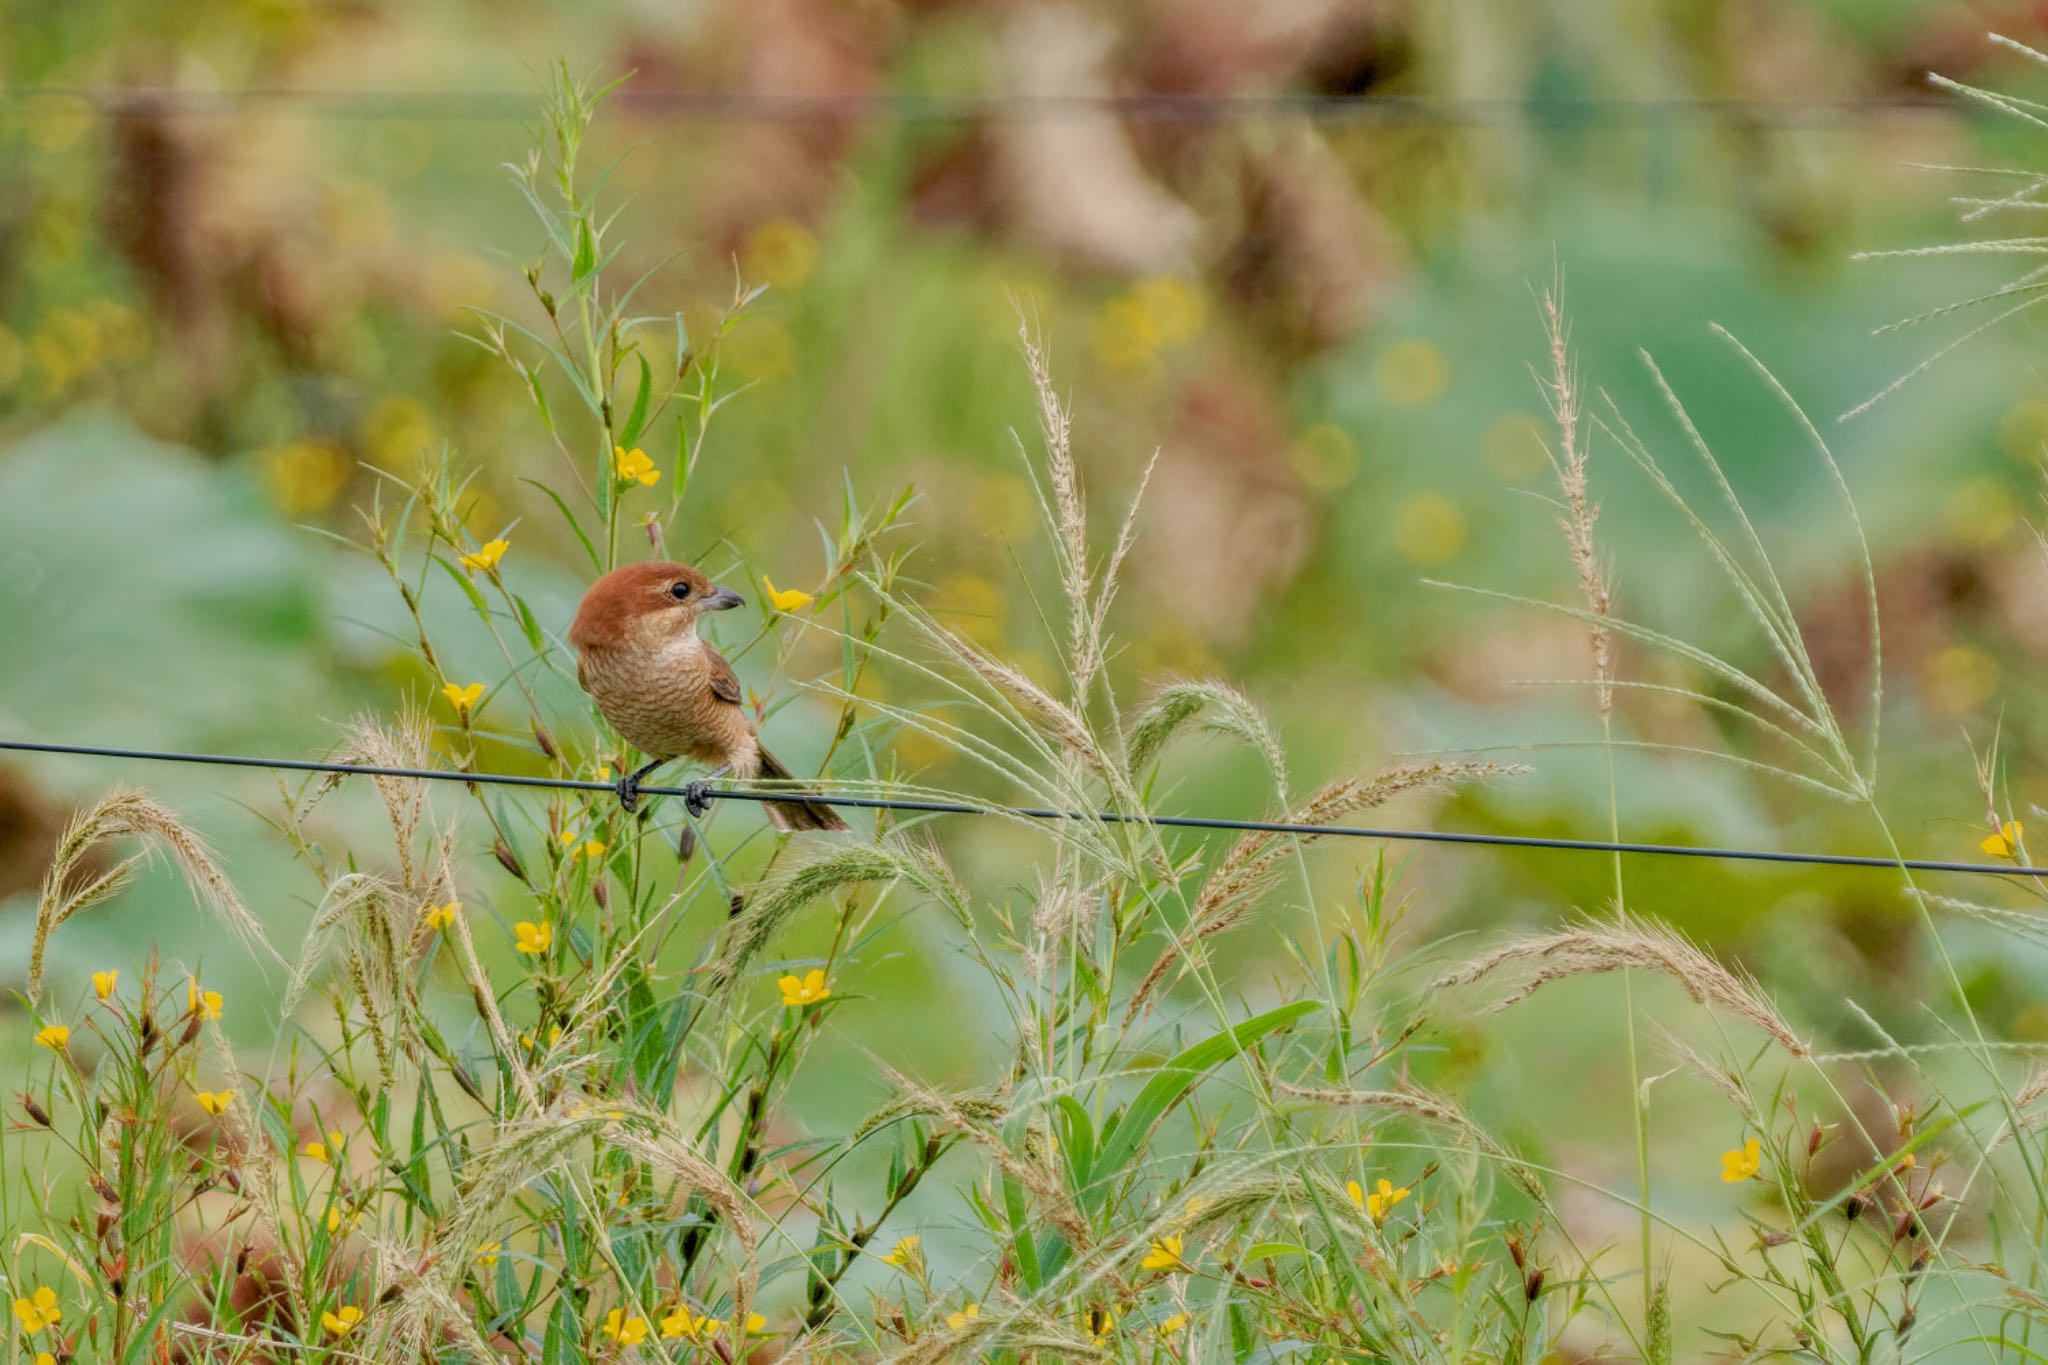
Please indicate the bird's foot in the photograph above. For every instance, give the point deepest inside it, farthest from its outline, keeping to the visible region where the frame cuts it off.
(697, 798)
(628, 788)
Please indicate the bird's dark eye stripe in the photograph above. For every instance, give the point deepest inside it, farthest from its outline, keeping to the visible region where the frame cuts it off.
(679, 590)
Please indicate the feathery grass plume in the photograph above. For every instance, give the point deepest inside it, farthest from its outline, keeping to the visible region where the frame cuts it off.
(971, 1119)
(120, 814)
(406, 744)
(1029, 1334)
(2034, 1087)
(846, 865)
(1628, 942)
(1068, 513)
(1430, 1107)
(1720, 1077)
(1055, 718)
(1232, 889)
(1568, 462)
(1227, 711)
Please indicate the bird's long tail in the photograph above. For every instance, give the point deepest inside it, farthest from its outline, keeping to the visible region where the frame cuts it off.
(795, 814)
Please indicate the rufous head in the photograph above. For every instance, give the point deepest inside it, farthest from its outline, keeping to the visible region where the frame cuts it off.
(657, 600)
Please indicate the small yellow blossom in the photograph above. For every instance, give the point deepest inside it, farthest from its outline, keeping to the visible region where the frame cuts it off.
(1741, 1164)
(1098, 1322)
(595, 848)
(907, 1254)
(756, 1324)
(958, 1321)
(534, 938)
(338, 1222)
(39, 1310)
(53, 1036)
(103, 983)
(324, 1151)
(45, 1358)
(1381, 1201)
(634, 466)
(486, 555)
(442, 917)
(624, 1330)
(681, 1323)
(462, 698)
(487, 1254)
(554, 1036)
(1164, 1255)
(1176, 1323)
(784, 599)
(342, 1321)
(204, 1003)
(809, 991)
(214, 1101)
(1355, 1192)
(710, 1327)
(2006, 842)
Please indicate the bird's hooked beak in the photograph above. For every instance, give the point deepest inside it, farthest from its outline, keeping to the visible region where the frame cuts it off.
(722, 599)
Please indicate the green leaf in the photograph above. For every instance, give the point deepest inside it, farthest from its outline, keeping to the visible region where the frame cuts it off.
(636, 422)
(1274, 1251)
(569, 517)
(585, 259)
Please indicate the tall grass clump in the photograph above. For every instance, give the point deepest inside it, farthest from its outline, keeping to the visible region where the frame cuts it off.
(540, 1090)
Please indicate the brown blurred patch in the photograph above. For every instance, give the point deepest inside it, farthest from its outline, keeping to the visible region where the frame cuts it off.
(29, 827)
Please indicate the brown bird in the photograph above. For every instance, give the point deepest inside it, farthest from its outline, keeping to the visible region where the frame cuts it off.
(666, 690)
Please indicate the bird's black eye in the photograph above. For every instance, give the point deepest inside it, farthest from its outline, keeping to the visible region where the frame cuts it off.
(679, 590)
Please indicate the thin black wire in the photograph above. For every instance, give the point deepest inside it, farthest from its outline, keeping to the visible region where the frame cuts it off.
(953, 108)
(920, 806)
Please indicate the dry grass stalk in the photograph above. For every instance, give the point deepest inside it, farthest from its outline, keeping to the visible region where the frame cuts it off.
(2036, 1086)
(1054, 717)
(405, 745)
(1580, 511)
(1720, 1077)
(1629, 942)
(1070, 512)
(1232, 889)
(117, 815)
(1428, 1106)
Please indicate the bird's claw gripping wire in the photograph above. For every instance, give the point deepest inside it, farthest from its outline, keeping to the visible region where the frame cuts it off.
(628, 787)
(697, 798)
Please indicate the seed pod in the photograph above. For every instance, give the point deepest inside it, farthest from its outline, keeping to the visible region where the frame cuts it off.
(105, 1191)
(1533, 1285)
(507, 859)
(545, 740)
(35, 1111)
(686, 844)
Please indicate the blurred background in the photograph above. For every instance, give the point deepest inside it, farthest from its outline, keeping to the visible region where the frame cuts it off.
(1295, 246)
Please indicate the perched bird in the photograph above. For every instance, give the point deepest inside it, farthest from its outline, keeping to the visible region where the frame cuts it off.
(674, 696)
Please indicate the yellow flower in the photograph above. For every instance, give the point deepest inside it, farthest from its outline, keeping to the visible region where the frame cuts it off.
(103, 982)
(1165, 1255)
(486, 555)
(487, 1254)
(1173, 1324)
(633, 466)
(784, 599)
(756, 1324)
(338, 1324)
(442, 917)
(1381, 1201)
(1741, 1164)
(959, 1320)
(462, 698)
(595, 848)
(2006, 842)
(809, 991)
(681, 1323)
(624, 1330)
(39, 1310)
(710, 1327)
(337, 1222)
(534, 938)
(53, 1036)
(1356, 1192)
(45, 1358)
(204, 1003)
(324, 1151)
(1098, 1322)
(906, 1254)
(214, 1101)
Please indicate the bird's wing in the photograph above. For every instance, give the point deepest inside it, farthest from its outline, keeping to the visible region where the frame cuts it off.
(725, 684)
